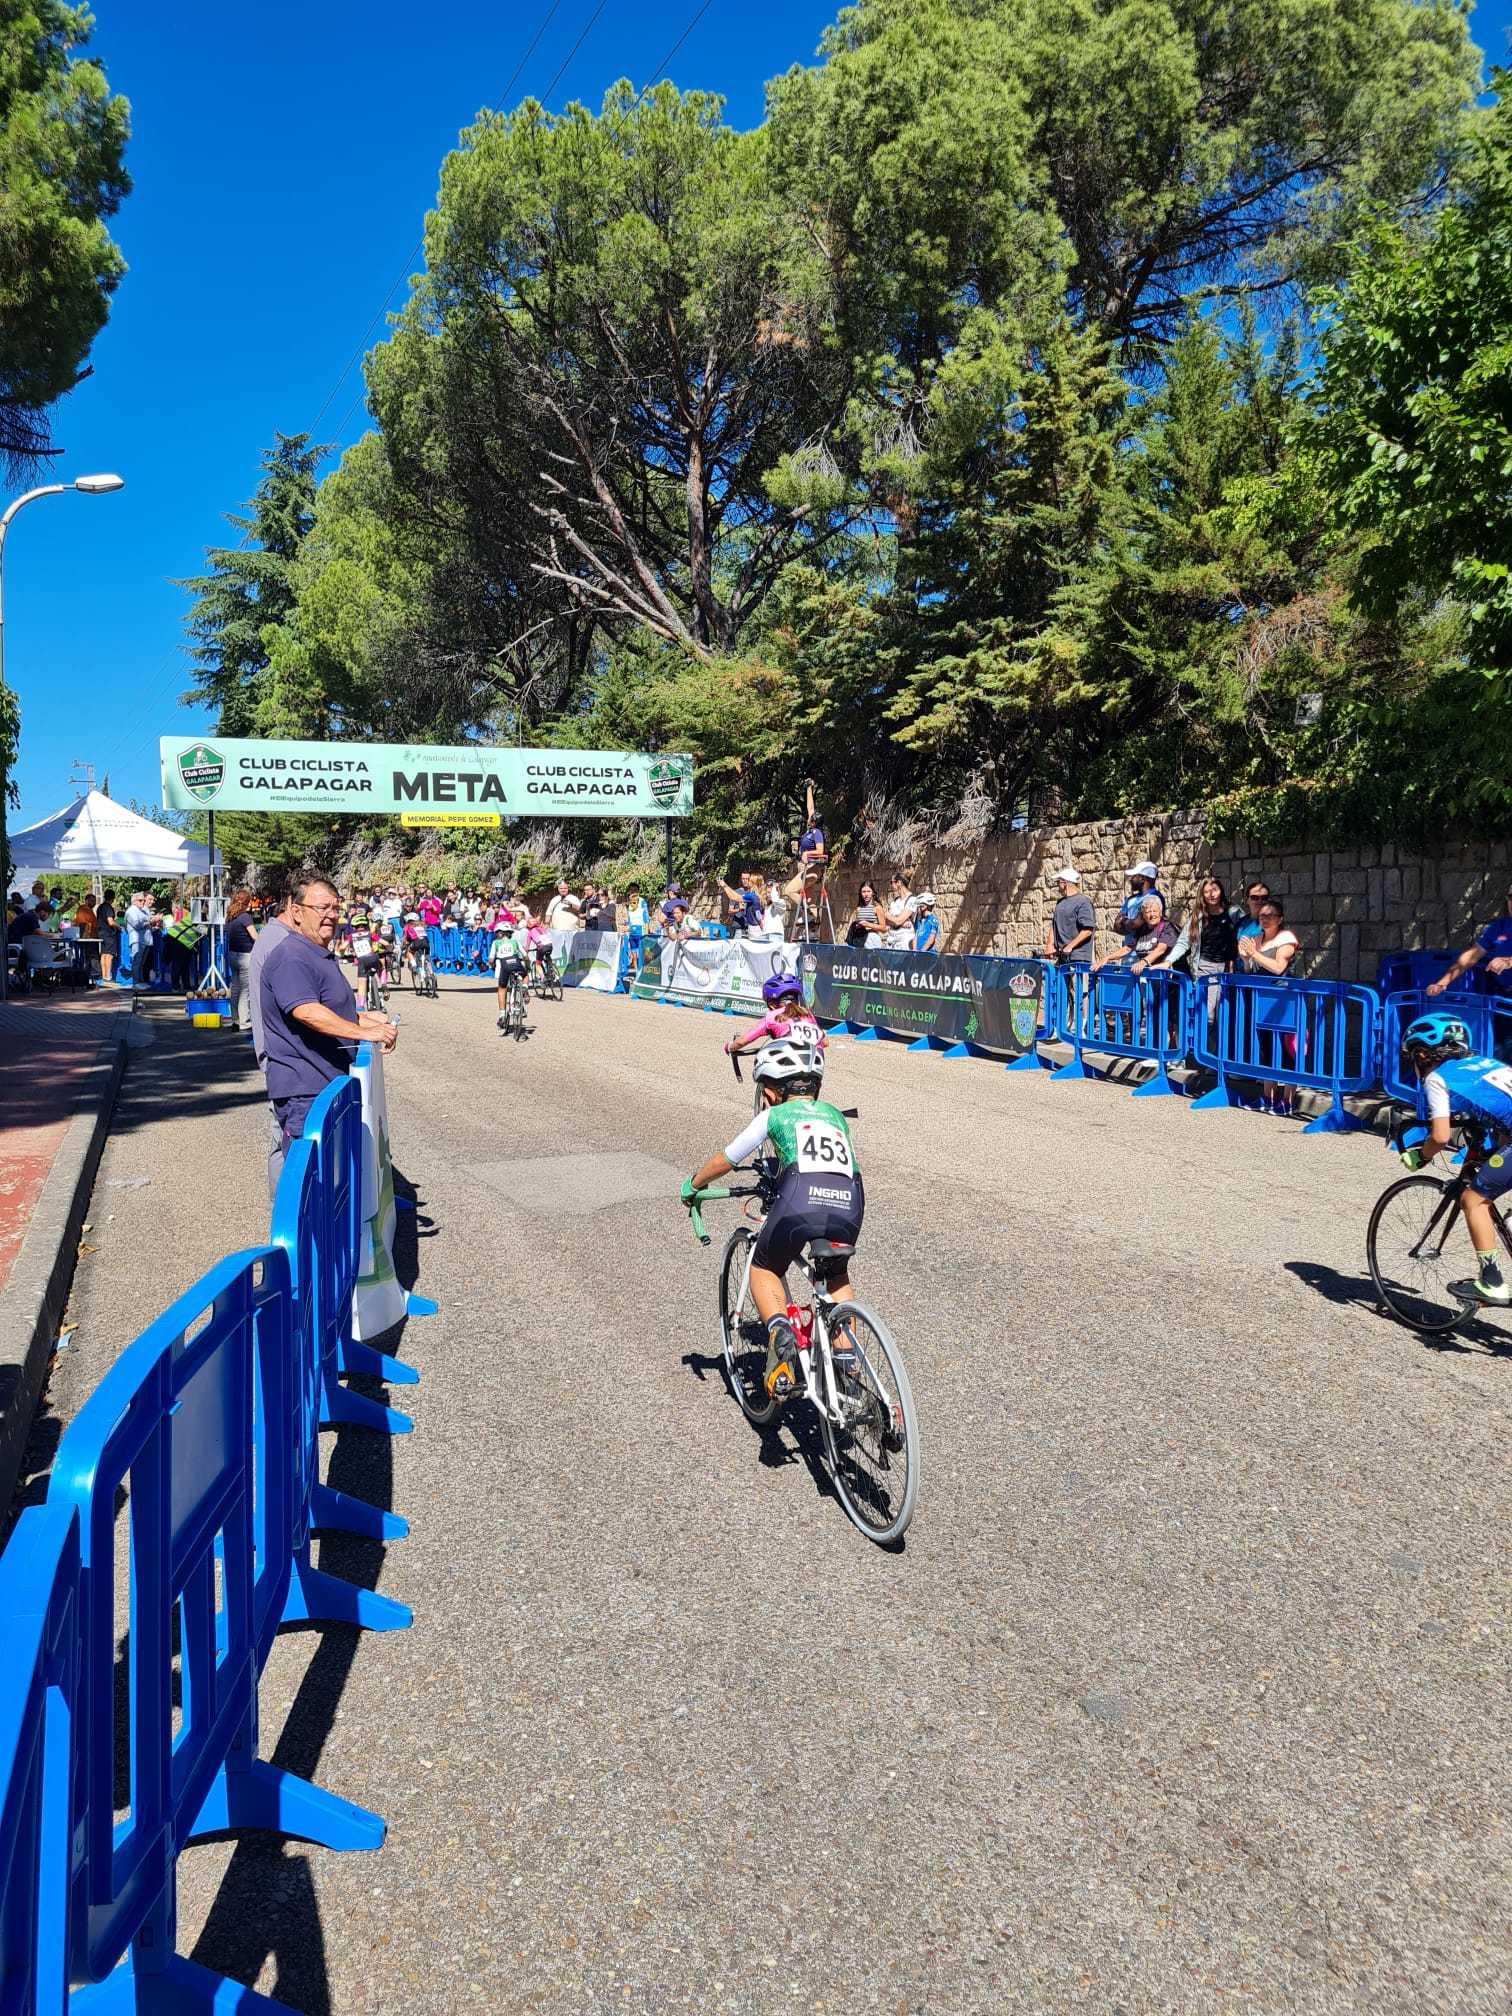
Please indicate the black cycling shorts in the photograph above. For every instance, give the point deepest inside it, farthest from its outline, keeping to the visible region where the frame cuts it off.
(370, 962)
(509, 969)
(809, 1207)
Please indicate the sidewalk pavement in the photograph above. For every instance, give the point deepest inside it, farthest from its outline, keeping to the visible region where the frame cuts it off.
(61, 1059)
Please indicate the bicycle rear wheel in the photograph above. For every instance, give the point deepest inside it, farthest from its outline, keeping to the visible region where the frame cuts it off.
(744, 1333)
(874, 1458)
(1410, 1248)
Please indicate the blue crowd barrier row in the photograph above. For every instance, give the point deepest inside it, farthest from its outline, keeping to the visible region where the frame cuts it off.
(1145, 1017)
(1487, 1017)
(209, 1424)
(1318, 1035)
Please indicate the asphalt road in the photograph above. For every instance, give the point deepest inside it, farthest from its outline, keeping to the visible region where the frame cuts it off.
(1188, 1691)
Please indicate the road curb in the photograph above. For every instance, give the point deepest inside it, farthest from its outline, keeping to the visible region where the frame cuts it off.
(34, 1298)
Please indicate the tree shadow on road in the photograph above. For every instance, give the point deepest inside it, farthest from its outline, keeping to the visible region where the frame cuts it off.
(1472, 1337)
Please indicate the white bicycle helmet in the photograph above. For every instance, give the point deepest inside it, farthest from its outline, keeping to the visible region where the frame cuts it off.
(788, 1057)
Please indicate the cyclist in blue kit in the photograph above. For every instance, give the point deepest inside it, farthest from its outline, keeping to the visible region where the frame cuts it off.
(1457, 1087)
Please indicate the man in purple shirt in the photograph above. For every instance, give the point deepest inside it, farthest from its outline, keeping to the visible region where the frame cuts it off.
(310, 1023)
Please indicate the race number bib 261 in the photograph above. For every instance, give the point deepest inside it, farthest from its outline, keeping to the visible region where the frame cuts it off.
(822, 1149)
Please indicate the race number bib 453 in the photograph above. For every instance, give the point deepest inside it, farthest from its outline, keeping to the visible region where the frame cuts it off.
(822, 1149)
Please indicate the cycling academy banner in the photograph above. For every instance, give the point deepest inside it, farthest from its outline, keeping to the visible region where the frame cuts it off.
(992, 1003)
(222, 774)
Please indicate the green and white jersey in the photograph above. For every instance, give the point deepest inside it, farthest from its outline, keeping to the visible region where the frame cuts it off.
(806, 1134)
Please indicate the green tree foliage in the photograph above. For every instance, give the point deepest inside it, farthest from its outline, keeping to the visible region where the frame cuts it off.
(62, 141)
(243, 605)
(1412, 422)
(939, 438)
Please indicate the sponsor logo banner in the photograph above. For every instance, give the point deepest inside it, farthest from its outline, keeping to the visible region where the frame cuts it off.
(991, 1003)
(423, 781)
(588, 959)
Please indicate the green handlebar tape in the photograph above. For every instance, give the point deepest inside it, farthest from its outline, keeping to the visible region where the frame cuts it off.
(705, 1195)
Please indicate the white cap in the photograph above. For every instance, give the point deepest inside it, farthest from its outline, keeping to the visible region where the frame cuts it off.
(925, 899)
(1146, 868)
(1068, 875)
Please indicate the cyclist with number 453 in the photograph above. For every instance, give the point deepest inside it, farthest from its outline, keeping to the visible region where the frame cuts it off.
(1458, 1087)
(819, 1195)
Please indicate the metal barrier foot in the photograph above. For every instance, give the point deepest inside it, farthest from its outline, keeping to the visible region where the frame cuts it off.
(1158, 1087)
(317, 1598)
(1335, 1121)
(865, 1035)
(1221, 1095)
(1030, 1061)
(922, 1043)
(276, 1802)
(370, 1364)
(340, 1409)
(420, 1305)
(176, 1987)
(1075, 1069)
(337, 1512)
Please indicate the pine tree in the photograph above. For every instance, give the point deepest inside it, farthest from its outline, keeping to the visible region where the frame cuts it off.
(250, 591)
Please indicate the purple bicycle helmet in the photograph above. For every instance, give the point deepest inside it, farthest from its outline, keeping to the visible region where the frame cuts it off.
(779, 986)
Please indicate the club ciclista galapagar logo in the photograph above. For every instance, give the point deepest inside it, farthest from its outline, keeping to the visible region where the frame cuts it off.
(202, 770)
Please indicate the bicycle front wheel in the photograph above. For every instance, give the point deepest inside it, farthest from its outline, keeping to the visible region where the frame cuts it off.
(874, 1457)
(1413, 1255)
(744, 1333)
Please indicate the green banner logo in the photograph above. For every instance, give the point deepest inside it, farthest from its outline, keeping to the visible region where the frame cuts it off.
(202, 770)
(665, 777)
(808, 973)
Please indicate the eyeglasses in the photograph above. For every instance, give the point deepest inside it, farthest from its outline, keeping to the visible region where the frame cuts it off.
(320, 909)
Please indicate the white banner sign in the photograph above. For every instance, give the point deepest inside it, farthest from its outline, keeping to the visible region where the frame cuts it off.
(379, 1301)
(716, 972)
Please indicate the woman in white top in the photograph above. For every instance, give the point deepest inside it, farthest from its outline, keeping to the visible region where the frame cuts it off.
(901, 907)
(1271, 954)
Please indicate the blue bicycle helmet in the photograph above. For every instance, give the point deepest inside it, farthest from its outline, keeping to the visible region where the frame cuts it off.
(779, 987)
(1443, 1033)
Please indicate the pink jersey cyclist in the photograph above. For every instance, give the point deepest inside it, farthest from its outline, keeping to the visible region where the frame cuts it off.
(785, 1013)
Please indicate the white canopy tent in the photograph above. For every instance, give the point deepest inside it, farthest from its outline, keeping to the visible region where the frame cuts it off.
(95, 836)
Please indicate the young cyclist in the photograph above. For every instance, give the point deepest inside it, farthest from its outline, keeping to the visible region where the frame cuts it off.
(819, 1195)
(785, 1016)
(1457, 1085)
(510, 958)
(415, 941)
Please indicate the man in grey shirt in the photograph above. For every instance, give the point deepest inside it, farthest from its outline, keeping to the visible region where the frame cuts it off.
(1073, 926)
(272, 933)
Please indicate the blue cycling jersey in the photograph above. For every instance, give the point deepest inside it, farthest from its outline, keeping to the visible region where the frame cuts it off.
(1469, 1088)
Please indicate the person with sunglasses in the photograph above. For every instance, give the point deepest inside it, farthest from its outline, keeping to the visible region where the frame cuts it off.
(310, 1024)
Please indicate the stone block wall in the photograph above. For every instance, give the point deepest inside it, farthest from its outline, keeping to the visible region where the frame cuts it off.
(1346, 905)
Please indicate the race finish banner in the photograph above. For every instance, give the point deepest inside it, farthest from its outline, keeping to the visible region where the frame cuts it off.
(221, 774)
(992, 1003)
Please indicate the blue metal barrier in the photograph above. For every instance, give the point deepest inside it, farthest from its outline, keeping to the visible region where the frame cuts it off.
(1146, 1017)
(1410, 972)
(1480, 1013)
(41, 1745)
(1321, 1035)
(297, 1590)
(334, 1124)
(173, 1417)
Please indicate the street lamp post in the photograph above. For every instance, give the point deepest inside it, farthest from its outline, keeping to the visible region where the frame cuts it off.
(91, 486)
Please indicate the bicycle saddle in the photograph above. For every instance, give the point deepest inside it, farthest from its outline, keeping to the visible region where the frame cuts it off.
(829, 1249)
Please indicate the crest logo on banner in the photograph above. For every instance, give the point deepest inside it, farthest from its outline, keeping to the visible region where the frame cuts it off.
(1023, 1007)
(665, 778)
(808, 973)
(202, 769)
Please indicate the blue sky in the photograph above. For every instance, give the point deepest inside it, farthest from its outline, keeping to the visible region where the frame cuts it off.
(283, 158)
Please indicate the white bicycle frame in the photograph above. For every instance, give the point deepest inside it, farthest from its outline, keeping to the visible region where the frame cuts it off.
(824, 1303)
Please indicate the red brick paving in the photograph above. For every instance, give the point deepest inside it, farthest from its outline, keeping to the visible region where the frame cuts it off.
(46, 1049)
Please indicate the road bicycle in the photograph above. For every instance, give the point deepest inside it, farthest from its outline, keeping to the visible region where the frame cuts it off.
(545, 978)
(516, 1005)
(422, 972)
(871, 1432)
(1416, 1248)
(374, 998)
